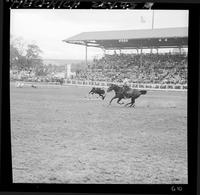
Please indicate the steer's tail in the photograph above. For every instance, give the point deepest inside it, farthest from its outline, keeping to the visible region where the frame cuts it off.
(143, 92)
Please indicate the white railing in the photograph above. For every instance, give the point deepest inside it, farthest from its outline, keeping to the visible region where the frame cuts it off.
(147, 86)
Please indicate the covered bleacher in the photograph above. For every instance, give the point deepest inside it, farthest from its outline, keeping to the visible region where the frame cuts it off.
(149, 69)
(133, 39)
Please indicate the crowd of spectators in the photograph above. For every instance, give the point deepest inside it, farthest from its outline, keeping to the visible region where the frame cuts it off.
(138, 68)
(30, 76)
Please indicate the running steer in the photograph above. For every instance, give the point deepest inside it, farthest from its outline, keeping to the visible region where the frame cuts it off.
(125, 93)
(99, 91)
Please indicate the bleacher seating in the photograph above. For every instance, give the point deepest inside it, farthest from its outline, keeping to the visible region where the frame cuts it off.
(138, 68)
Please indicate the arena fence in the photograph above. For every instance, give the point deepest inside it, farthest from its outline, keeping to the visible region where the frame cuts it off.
(149, 86)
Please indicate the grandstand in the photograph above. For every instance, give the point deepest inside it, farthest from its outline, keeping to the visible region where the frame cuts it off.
(151, 69)
(133, 39)
(139, 67)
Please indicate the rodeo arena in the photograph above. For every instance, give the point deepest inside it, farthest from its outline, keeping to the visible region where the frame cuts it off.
(120, 120)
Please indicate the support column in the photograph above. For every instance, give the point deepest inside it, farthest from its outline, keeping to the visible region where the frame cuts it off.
(152, 25)
(86, 54)
(104, 51)
(141, 57)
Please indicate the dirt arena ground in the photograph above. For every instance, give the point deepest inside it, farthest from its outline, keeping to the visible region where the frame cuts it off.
(59, 135)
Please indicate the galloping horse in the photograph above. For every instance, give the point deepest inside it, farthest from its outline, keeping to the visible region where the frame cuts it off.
(125, 93)
(98, 91)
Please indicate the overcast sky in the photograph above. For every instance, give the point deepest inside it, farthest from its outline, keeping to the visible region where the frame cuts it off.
(47, 28)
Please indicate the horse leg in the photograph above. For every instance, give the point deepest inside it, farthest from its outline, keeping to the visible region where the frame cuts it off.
(132, 102)
(91, 94)
(112, 99)
(118, 101)
(128, 103)
(101, 96)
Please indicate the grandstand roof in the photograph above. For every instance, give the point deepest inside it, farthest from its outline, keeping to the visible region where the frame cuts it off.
(130, 34)
(165, 37)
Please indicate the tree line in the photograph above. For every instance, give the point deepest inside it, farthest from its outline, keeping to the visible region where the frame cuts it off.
(26, 56)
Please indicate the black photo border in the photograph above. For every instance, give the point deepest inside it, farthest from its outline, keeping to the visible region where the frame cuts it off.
(6, 183)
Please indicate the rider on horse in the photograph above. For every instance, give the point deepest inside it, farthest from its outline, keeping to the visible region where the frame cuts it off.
(125, 86)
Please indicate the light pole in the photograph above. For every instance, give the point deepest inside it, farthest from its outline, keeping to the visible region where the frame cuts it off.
(152, 19)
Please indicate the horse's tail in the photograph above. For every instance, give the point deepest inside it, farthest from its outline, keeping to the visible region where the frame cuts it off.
(143, 92)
